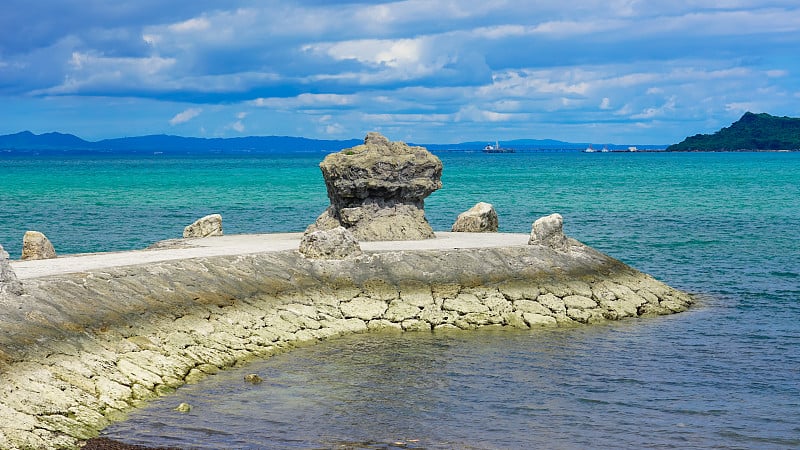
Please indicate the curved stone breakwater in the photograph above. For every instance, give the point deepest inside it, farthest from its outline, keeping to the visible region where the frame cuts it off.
(78, 350)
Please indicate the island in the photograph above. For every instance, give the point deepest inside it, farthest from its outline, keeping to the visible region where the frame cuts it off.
(753, 132)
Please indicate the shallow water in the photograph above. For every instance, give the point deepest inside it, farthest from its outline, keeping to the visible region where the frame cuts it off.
(723, 375)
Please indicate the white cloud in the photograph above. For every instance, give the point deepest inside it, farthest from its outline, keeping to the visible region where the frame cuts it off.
(237, 126)
(777, 73)
(185, 116)
(196, 24)
(305, 101)
(654, 112)
(741, 107)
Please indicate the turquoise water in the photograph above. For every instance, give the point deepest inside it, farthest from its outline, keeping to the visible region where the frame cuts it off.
(724, 375)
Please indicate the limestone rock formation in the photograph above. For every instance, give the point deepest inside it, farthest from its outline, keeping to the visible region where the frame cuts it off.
(480, 218)
(377, 190)
(8, 279)
(549, 232)
(35, 245)
(210, 225)
(337, 243)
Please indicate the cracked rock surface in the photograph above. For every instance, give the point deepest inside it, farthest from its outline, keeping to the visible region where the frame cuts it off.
(377, 190)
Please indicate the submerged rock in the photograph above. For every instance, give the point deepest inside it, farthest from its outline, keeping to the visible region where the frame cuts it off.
(479, 219)
(210, 225)
(35, 245)
(338, 243)
(253, 378)
(183, 407)
(377, 190)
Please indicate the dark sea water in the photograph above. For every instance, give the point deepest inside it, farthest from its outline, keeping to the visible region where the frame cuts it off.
(726, 374)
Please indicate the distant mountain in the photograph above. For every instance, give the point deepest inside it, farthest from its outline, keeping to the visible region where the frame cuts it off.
(59, 143)
(753, 132)
(67, 143)
(28, 140)
(251, 144)
(530, 145)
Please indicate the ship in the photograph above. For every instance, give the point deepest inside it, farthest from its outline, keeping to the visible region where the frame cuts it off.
(496, 148)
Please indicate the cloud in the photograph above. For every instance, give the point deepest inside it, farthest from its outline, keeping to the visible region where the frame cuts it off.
(237, 126)
(191, 25)
(185, 116)
(422, 67)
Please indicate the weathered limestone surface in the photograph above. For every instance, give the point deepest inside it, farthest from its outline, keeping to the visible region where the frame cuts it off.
(35, 245)
(480, 218)
(549, 232)
(78, 350)
(9, 285)
(338, 243)
(377, 190)
(210, 225)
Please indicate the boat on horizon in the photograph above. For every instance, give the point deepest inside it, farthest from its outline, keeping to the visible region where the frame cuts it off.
(496, 148)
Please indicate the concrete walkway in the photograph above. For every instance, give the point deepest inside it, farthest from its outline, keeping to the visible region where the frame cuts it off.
(244, 244)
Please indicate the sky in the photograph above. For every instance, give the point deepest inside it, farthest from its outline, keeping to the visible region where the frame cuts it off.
(433, 71)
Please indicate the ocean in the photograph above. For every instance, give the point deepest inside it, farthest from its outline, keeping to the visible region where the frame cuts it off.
(725, 374)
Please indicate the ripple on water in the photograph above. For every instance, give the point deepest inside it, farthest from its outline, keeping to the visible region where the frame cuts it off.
(630, 384)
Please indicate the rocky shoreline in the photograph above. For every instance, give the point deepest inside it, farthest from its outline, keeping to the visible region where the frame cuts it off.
(78, 350)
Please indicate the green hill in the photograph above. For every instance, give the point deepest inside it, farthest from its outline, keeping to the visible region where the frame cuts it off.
(753, 132)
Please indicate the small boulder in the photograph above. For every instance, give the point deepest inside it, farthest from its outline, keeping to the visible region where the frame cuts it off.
(210, 225)
(549, 232)
(35, 245)
(8, 279)
(480, 218)
(338, 243)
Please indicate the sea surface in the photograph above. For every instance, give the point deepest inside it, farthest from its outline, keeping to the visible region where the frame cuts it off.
(726, 374)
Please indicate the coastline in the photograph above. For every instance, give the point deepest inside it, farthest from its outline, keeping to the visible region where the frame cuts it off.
(87, 344)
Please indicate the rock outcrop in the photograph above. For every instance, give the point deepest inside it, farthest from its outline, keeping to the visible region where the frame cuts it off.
(8, 279)
(377, 190)
(549, 232)
(210, 225)
(480, 218)
(338, 243)
(35, 245)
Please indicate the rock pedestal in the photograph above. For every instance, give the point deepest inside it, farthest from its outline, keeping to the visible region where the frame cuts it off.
(35, 245)
(479, 219)
(8, 279)
(210, 225)
(377, 190)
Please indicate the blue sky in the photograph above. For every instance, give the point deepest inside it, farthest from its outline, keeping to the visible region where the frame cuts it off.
(437, 71)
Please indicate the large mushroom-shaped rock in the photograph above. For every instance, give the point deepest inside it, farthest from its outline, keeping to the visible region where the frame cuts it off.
(8, 279)
(377, 190)
(479, 219)
(35, 245)
(338, 243)
(549, 232)
(210, 225)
